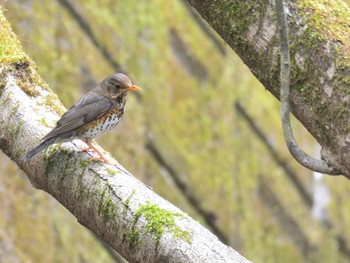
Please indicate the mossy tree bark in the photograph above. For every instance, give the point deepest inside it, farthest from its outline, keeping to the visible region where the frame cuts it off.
(320, 55)
(107, 199)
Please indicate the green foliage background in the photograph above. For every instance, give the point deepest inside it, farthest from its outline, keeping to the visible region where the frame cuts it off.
(186, 111)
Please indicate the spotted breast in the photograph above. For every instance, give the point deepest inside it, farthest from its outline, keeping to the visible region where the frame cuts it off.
(101, 125)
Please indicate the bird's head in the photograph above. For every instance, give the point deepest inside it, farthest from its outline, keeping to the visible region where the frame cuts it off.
(117, 84)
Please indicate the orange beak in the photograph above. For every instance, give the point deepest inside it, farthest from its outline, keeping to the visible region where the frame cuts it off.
(134, 87)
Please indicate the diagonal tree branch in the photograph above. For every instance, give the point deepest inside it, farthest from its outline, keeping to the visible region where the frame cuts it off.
(107, 199)
(320, 61)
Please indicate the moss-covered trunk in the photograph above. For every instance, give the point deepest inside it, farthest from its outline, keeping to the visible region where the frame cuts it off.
(320, 53)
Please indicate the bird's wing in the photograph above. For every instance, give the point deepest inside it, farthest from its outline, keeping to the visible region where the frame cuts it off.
(90, 107)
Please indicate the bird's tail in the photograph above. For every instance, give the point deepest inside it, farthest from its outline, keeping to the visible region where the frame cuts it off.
(43, 145)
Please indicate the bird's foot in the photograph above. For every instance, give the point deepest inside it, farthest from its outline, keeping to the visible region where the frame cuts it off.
(90, 147)
(85, 149)
(93, 148)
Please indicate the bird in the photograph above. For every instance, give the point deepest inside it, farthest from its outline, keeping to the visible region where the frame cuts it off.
(94, 114)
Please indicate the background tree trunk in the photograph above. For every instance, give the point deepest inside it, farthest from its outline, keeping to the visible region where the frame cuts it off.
(319, 37)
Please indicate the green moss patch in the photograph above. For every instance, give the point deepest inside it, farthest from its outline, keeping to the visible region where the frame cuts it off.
(133, 238)
(127, 201)
(10, 47)
(13, 58)
(50, 154)
(106, 206)
(52, 101)
(160, 221)
(111, 172)
(329, 20)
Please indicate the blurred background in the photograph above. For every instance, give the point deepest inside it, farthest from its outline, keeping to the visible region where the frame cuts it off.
(204, 134)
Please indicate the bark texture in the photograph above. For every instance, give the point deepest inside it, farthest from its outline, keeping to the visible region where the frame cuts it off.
(319, 36)
(107, 199)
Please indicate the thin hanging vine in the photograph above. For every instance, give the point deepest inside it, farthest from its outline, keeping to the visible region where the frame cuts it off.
(303, 158)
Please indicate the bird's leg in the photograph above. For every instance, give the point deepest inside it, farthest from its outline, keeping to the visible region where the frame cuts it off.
(91, 147)
(88, 142)
(86, 148)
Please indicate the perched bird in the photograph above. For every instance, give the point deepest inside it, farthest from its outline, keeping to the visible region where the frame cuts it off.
(95, 113)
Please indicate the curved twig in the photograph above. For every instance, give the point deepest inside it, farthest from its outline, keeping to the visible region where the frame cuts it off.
(304, 159)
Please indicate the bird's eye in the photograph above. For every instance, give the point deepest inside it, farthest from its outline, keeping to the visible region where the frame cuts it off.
(117, 86)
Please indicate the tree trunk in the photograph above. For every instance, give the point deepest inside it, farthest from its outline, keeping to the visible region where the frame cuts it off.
(320, 55)
(107, 199)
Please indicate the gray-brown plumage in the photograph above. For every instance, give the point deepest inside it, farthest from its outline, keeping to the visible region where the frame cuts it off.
(95, 113)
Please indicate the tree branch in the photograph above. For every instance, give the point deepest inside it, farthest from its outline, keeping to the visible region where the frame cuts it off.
(107, 199)
(320, 62)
